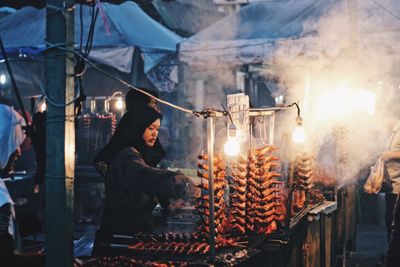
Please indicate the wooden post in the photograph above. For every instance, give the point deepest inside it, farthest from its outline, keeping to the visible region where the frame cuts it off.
(60, 134)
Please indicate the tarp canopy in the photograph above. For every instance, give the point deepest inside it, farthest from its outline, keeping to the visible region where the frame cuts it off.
(251, 34)
(117, 26)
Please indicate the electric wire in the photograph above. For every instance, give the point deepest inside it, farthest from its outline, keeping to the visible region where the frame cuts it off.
(60, 47)
(386, 9)
(197, 113)
(80, 66)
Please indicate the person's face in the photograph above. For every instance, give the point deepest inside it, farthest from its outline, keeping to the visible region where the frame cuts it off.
(151, 133)
(153, 104)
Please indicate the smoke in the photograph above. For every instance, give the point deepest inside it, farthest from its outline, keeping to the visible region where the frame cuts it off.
(344, 60)
(342, 69)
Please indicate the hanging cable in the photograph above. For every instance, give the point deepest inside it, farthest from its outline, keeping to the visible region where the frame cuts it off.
(297, 106)
(197, 113)
(227, 112)
(80, 67)
(204, 113)
(387, 10)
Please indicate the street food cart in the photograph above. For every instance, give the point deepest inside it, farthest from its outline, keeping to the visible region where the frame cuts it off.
(251, 211)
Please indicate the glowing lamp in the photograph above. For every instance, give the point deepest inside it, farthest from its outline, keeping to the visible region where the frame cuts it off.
(2, 79)
(298, 135)
(232, 147)
(43, 107)
(119, 104)
(279, 101)
(93, 106)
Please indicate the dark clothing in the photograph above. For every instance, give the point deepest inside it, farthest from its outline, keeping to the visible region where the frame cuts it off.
(6, 248)
(9, 168)
(393, 254)
(39, 145)
(132, 192)
(9, 259)
(390, 201)
(132, 185)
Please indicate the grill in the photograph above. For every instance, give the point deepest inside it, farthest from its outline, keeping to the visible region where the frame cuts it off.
(223, 256)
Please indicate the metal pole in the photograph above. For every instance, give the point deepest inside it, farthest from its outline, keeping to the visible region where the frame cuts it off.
(271, 128)
(344, 225)
(292, 165)
(210, 149)
(180, 116)
(60, 135)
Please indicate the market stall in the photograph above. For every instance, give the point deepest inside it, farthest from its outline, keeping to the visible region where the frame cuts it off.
(257, 206)
(250, 211)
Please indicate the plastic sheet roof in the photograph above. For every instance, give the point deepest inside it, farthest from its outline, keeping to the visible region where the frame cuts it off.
(117, 26)
(251, 34)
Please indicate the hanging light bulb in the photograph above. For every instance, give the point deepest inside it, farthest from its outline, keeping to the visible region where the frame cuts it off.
(106, 105)
(119, 104)
(43, 107)
(93, 105)
(232, 147)
(3, 79)
(118, 98)
(298, 135)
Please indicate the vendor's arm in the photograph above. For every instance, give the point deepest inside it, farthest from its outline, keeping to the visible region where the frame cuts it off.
(391, 155)
(153, 181)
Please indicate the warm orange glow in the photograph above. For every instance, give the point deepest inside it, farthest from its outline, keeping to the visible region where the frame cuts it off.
(344, 101)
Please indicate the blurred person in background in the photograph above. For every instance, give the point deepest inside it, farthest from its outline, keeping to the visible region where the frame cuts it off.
(11, 137)
(391, 157)
(393, 253)
(392, 163)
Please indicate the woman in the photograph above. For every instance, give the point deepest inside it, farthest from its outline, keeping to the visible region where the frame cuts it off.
(133, 182)
(134, 100)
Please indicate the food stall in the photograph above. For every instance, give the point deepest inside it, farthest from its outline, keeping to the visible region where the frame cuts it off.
(252, 210)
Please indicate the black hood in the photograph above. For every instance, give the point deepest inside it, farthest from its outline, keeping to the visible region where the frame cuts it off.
(129, 133)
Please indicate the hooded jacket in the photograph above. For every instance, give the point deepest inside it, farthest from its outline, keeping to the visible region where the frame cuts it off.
(133, 184)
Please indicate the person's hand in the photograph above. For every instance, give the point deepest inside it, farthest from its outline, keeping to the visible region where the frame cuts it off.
(183, 187)
(390, 155)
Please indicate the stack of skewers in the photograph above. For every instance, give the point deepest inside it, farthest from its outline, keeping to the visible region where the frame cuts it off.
(265, 205)
(237, 196)
(302, 182)
(203, 202)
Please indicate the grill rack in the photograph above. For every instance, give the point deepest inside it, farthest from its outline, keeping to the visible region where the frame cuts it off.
(193, 259)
